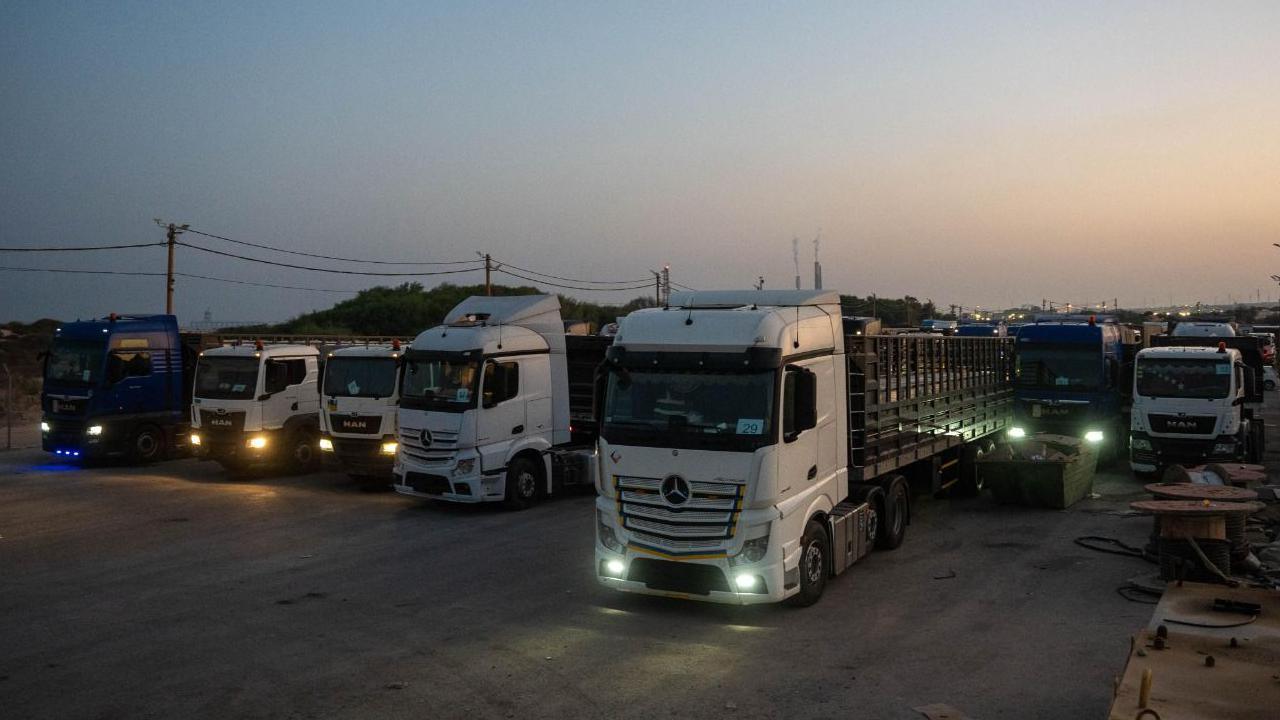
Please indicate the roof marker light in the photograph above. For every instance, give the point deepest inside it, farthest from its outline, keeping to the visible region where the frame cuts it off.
(257, 344)
(1222, 346)
(395, 344)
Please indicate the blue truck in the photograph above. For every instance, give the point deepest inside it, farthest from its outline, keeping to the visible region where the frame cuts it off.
(1069, 379)
(118, 387)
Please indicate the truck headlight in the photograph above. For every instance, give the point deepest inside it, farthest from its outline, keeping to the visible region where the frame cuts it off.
(613, 568)
(194, 438)
(326, 444)
(389, 448)
(745, 582)
(464, 467)
(605, 531)
(94, 430)
(257, 442)
(754, 550)
(1140, 444)
(1016, 433)
(1224, 448)
(1093, 436)
(44, 426)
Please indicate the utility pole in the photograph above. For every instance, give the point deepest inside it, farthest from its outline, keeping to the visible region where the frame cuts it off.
(488, 268)
(657, 288)
(666, 285)
(172, 231)
(760, 282)
(8, 407)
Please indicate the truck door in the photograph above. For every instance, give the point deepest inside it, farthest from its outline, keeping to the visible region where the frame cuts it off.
(283, 380)
(798, 461)
(131, 386)
(501, 418)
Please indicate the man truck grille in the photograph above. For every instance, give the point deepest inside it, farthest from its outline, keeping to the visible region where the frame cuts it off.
(699, 522)
(356, 424)
(1186, 424)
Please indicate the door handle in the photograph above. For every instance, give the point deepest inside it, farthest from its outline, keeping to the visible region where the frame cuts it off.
(294, 406)
(517, 430)
(813, 472)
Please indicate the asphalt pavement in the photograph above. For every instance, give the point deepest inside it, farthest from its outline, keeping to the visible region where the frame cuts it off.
(176, 591)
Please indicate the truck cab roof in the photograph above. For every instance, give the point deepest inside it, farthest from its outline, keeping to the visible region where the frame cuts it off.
(1189, 353)
(490, 325)
(267, 351)
(797, 322)
(91, 329)
(366, 351)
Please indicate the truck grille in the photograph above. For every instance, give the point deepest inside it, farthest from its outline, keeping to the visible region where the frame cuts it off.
(221, 425)
(701, 523)
(356, 424)
(441, 450)
(65, 432)
(1186, 424)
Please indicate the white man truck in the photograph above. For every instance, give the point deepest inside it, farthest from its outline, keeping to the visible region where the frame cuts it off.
(257, 404)
(750, 449)
(496, 404)
(360, 396)
(1195, 401)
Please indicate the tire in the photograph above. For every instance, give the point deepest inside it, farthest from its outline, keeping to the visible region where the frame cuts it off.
(522, 484)
(815, 564)
(303, 454)
(1260, 439)
(148, 445)
(892, 528)
(970, 482)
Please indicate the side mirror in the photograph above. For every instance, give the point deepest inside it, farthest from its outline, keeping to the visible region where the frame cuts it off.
(1238, 401)
(265, 396)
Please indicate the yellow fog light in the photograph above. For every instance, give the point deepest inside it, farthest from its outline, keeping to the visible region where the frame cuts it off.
(326, 444)
(195, 439)
(745, 583)
(44, 426)
(94, 430)
(1093, 436)
(257, 443)
(1017, 432)
(389, 448)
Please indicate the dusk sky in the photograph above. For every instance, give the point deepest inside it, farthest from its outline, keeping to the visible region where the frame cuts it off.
(973, 153)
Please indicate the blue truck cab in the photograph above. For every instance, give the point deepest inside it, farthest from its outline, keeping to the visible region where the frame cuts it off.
(1069, 380)
(117, 387)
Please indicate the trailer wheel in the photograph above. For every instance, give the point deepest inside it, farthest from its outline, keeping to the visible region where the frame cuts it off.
(893, 526)
(814, 565)
(522, 484)
(970, 482)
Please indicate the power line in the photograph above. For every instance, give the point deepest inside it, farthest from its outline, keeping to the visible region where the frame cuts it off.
(324, 257)
(160, 274)
(329, 270)
(502, 269)
(81, 248)
(575, 280)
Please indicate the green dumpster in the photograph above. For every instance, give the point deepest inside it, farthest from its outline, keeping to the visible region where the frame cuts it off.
(1052, 471)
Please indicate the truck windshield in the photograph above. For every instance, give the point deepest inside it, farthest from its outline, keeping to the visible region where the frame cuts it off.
(371, 377)
(75, 361)
(435, 383)
(1059, 367)
(708, 410)
(1175, 378)
(226, 378)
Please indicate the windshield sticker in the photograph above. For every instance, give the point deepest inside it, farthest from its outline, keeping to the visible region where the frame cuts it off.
(750, 426)
(239, 387)
(84, 376)
(353, 387)
(1223, 369)
(463, 395)
(1062, 381)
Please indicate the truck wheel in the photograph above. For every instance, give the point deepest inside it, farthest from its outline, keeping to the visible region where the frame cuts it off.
(302, 451)
(813, 565)
(1259, 439)
(970, 482)
(522, 484)
(893, 516)
(148, 445)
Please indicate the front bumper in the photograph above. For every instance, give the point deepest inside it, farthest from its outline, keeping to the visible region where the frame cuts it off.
(441, 484)
(1180, 451)
(359, 456)
(70, 439)
(234, 448)
(706, 578)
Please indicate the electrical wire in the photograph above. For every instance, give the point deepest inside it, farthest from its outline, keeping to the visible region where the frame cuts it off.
(328, 270)
(177, 274)
(1118, 547)
(646, 281)
(501, 269)
(81, 248)
(325, 257)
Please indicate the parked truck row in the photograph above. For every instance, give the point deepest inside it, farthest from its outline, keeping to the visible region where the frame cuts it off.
(744, 446)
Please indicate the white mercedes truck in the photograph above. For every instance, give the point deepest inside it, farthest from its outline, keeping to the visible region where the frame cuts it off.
(360, 396)
(1196, 404)
(257, 404)
(496, 404)
(750, 449)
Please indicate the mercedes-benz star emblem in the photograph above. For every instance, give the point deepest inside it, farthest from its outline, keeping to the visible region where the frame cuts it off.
(675, 490)
(425, 437)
